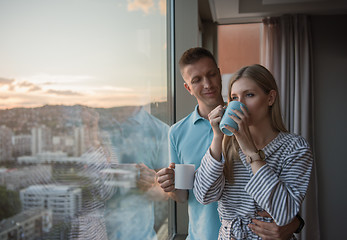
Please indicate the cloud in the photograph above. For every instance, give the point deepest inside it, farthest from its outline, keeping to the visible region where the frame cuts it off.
(47, 83)
(6, 81)
(144, 5)
(63, 92)
(34, 88)
(48, 79)
(11, 87)
(113, 89)
(25, 84)
(14, 85)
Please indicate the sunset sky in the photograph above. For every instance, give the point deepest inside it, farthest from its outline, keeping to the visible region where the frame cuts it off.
(100, 53)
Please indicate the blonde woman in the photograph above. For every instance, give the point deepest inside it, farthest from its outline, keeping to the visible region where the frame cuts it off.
(262, 167)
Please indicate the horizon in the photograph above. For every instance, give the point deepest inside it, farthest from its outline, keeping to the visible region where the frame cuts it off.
(82, 105)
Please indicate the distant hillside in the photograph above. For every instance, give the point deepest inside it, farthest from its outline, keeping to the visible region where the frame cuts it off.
(60, 118)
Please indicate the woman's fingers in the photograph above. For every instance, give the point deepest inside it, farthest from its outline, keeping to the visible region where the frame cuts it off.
(244, 111)
(233, 130)
(239, 114)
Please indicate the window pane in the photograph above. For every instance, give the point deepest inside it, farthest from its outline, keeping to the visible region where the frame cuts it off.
(83, 119)
(238, 46)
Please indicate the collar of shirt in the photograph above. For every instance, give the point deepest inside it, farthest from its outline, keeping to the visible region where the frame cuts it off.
(196, 116)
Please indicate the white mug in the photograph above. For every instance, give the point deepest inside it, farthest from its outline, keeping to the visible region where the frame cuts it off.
(184, 176)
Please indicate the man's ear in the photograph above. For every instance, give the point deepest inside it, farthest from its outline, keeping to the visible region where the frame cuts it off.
(272, 97)
(188, 88)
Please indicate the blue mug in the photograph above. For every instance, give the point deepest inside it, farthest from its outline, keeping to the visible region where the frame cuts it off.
(227, 120)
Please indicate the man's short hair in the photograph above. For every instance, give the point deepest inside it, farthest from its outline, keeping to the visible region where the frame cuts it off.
(193, 55)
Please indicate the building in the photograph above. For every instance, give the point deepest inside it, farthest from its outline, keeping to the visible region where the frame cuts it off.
(79, 141)
(64, 201)
(5, 143)
(21, 145)
(29, 224)
(41, 139)
(64, 144)
(19, 178)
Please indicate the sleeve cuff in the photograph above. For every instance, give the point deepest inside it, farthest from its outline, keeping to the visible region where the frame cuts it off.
(213, 162)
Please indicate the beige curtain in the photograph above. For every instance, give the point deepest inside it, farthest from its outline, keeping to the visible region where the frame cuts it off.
(286, 52)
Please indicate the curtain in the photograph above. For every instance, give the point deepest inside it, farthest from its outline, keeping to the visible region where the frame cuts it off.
(287, 53)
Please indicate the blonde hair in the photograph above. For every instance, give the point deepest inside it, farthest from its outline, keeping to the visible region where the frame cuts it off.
(264, 79)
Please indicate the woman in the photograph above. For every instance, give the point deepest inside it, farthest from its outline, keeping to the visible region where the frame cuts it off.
(261, 167)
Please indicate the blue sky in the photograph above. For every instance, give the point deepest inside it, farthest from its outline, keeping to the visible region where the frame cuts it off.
(100, 53)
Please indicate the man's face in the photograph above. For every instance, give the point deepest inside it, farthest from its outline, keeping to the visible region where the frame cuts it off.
(203, 81)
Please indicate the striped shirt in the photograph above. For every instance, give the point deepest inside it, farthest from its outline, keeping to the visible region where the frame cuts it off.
(278, 187)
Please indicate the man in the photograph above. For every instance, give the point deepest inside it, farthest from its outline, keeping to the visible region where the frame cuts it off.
(124, 201)
(136, 140)
(189, 141)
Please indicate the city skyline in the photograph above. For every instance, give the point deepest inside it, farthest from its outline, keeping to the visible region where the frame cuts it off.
(96, 53)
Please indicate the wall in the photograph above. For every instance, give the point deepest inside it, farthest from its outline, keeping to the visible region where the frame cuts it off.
(186, 36)
(330, 75)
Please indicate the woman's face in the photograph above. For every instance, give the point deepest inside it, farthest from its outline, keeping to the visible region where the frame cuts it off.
(257, 101)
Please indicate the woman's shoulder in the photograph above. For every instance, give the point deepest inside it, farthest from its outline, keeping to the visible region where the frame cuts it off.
(294, 140)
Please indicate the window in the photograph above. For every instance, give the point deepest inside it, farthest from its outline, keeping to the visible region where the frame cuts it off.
(238, 46)
(84, 103)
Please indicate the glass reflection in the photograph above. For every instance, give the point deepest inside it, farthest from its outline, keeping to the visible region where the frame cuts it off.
(100, 182)
(83, 119)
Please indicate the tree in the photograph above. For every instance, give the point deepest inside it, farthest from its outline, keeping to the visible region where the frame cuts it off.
(9, 203)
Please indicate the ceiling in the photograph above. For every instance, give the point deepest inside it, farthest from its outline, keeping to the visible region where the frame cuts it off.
(238, 11)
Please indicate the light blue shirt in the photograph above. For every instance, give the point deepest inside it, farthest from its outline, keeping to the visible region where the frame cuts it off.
(189, 140)
(141, 138)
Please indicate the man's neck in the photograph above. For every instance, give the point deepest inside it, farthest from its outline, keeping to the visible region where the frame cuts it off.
(204, 110)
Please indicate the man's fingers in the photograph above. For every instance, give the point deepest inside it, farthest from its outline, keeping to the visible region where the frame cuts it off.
(168, 186)
(258, 230)
(165, 177)
(166, 181)
(165, 171)
(265, 230)
(265, 225)
(264, 214)
(261, 232)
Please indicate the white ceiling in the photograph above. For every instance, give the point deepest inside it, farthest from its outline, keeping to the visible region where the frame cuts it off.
(236, 11)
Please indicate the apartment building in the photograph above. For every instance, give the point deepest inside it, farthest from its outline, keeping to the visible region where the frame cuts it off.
(18, 178)
(64, 201)
(29, 224)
